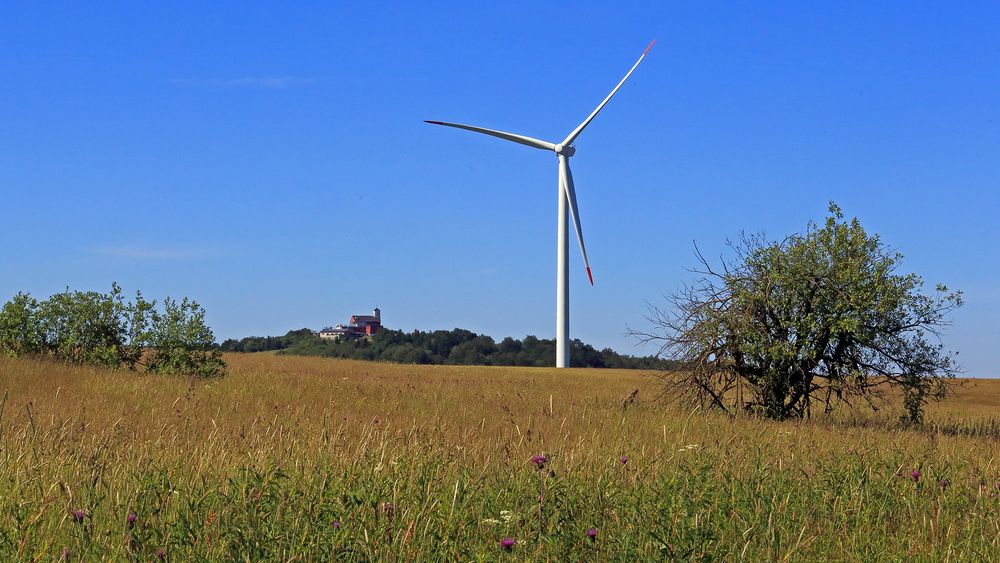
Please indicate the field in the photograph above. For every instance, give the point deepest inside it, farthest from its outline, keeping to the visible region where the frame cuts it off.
(293, 458)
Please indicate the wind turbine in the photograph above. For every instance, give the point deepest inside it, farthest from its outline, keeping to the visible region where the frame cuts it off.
(567, 199)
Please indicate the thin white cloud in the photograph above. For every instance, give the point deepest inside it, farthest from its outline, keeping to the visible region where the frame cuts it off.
(153, 253)
(261, 82)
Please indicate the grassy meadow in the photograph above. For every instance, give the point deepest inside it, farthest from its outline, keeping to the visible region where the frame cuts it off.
(296, 458)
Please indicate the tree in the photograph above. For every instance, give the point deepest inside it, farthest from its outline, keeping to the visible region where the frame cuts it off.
(21, 330)
(821, 317)
(137, 329)
(510, 346)
(181, 342)
(584, 355)
(473, 352)
(406, 354)
(87, 327)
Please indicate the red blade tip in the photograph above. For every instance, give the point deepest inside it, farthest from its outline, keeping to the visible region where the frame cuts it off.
(648, 48)
(589, 275)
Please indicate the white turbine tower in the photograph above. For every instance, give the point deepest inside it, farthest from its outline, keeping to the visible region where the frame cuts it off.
(567, 199)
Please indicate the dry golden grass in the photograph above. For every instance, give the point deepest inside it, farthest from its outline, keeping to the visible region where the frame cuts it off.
(260, 464)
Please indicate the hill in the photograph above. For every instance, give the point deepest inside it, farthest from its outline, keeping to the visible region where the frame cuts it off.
(443, 347)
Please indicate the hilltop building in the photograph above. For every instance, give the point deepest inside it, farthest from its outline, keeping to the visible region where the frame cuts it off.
(359, 325)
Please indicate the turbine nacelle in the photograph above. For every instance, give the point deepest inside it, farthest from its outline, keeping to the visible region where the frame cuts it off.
(565, 150)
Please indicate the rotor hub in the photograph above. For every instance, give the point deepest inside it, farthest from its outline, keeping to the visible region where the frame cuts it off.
(565, 150)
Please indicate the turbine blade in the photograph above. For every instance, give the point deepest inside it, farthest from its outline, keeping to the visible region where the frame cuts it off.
(566, 177)
(501, 134)
(576, 132)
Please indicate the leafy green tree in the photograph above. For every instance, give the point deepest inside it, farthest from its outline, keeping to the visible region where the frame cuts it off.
(473, 352)
(510, 345)
(181, 342)
(406, 354)
(584, 355)
(300, 334)
(86, 327)
(819, 318)
(21, 330)
(137, 329)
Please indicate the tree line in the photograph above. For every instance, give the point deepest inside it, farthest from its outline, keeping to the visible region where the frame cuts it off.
(106, 330)
(451, 347)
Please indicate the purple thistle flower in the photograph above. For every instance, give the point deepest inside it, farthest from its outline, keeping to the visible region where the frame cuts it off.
(130, 519)
(161, 553)
(336, 525)
(507, 543)
(539, 460)
(78, 515)
(592, 534)
(915, 474)
(944, 483)
(624, 459)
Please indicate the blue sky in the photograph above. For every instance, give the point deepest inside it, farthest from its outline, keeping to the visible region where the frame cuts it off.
(270, 159)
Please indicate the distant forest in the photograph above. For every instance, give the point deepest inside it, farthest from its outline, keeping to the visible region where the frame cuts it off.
(454, 347)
